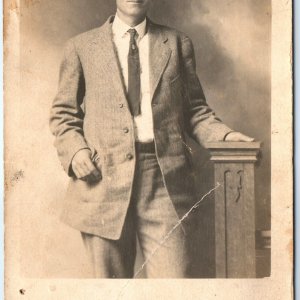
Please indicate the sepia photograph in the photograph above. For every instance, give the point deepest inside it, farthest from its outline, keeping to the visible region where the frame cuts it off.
(147, 139)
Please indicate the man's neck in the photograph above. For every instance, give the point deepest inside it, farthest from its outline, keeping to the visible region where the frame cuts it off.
(130, 21)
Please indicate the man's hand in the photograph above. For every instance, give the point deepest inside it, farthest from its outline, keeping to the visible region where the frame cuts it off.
(83, 166)
(238, 137)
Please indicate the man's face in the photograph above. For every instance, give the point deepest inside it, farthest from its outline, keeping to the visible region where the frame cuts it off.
(133, 8)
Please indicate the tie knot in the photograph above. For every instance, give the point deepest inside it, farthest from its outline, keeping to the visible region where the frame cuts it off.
(133, 33)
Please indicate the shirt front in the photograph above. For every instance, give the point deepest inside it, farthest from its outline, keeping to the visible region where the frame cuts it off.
(143, 123)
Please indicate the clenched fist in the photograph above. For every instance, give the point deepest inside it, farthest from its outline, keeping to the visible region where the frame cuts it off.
(84, 168)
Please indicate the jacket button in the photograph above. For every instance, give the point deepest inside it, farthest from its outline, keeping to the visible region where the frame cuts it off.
(129, 156)
(125, 130)
(121, 105)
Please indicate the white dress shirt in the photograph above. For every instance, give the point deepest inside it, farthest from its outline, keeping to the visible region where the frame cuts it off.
(143, 123)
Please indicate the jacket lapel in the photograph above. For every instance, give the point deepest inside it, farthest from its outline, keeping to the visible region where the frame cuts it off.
(108, 58)
(159, 55)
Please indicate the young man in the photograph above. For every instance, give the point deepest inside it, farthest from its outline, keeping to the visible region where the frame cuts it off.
(128, 93)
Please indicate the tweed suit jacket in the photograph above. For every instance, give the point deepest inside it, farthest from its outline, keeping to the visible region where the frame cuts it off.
(91, 111)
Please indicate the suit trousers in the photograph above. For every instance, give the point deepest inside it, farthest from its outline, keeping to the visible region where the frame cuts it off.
(150, 218)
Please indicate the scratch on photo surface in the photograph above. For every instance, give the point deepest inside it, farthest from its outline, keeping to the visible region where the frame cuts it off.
(189, 148)
(186, 145)
(168, 235)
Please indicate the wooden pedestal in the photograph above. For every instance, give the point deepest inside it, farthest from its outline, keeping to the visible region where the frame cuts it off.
(234, 208)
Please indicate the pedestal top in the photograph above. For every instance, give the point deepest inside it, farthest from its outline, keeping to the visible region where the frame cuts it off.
(233, 151)
(233, 145)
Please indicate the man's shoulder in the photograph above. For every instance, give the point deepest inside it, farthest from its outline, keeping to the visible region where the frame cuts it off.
(90, 35)
(86, 36)
(169, 31)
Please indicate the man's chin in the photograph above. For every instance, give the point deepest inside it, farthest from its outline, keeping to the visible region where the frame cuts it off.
(137, 11)
(136, 8)
(136, 14)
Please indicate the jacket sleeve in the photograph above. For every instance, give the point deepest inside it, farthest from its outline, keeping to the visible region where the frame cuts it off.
(66, 117)
(202, 123)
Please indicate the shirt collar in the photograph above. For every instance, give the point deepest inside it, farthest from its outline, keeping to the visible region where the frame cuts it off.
(120, 28)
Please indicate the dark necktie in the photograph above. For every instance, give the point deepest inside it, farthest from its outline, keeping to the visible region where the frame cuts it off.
(134, 81)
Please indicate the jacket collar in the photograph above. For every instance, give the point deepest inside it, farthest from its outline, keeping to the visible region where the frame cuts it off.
(120, 29)
(159, 54)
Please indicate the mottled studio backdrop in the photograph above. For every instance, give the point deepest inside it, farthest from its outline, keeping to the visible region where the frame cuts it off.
(232, 45)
